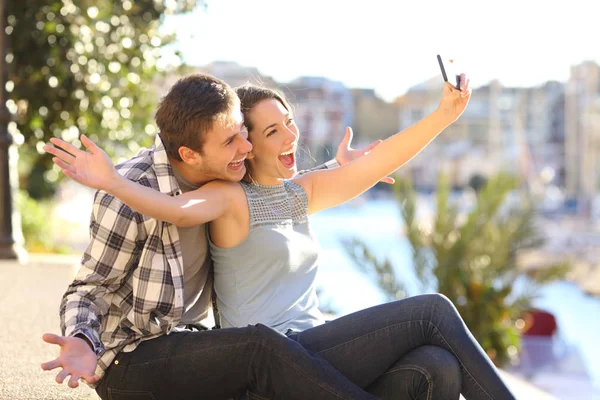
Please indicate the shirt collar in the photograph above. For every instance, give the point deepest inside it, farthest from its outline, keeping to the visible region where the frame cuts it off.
(164, 171)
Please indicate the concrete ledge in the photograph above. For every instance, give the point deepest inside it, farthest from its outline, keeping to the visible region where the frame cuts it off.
(30, 296)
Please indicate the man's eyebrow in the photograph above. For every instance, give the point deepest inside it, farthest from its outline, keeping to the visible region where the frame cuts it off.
(230, 138)
(239, 126)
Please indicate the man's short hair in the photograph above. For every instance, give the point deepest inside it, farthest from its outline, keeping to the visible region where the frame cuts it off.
(190, 109)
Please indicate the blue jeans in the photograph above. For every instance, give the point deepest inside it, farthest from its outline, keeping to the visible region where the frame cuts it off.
(367, 344)
(425, 373)
(222, 364)
(227, 363)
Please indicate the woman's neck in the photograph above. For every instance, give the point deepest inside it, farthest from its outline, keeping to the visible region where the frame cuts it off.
(261, 180)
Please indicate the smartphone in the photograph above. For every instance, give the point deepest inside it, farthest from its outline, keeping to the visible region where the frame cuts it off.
(449, 73)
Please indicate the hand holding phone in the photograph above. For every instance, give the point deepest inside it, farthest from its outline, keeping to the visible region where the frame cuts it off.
(449, 73)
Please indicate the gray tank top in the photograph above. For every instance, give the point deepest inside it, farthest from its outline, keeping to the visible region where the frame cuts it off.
(269, 278)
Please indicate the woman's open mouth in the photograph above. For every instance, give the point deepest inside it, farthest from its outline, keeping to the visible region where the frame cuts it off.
(288, 159)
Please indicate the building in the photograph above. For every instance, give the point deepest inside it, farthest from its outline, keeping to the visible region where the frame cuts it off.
(323, 109)
(517, 130)
(231, 72)
(374, 118)
(582, 137)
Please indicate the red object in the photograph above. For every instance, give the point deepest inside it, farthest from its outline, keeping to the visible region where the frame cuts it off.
(543, 324)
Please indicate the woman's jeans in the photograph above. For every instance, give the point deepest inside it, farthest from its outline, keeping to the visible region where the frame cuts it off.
(365, 345)
(417, 348)
(425, 373)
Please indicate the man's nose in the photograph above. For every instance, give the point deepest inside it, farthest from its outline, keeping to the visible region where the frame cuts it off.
(246, 146)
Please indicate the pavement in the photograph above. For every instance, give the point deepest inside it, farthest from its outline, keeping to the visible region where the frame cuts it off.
(30, 296)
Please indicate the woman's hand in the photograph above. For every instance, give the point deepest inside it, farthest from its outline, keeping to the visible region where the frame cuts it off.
(455, 101)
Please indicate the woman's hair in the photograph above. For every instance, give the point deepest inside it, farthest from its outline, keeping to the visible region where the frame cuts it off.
(187, 113)
(250, 95)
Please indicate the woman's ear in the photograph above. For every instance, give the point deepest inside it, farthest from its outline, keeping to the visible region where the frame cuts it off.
(250, 155)
(188, 155)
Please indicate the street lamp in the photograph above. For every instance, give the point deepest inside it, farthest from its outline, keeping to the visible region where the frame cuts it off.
(8, 248)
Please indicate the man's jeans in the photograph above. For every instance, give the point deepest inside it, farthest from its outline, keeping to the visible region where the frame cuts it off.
(365, 345)
(221, 364)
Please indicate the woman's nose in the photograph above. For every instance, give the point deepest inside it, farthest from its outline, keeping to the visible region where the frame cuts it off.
(291, 136)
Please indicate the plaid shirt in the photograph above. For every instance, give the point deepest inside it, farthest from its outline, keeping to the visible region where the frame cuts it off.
(130, 284)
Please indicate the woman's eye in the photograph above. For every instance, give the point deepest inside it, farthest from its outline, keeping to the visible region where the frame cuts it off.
(271, 133)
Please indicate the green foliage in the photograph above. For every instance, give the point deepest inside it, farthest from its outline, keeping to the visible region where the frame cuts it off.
(472, 258)
(37, 225)
(82, 66)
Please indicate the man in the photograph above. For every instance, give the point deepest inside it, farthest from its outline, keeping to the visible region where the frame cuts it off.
(143, 283)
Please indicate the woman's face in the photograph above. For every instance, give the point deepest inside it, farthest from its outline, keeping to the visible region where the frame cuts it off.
(274, 139)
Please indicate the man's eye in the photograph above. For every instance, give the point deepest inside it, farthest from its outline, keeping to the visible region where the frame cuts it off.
(290, 121)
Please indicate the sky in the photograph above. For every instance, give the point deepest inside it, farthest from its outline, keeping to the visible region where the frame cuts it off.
(391, 45)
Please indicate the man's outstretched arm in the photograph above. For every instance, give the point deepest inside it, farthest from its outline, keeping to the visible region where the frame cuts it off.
(110, 254)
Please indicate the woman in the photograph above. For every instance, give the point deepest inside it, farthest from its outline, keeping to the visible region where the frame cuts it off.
(265, 256)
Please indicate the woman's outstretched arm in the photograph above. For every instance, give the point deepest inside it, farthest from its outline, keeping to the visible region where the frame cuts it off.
(329, 188)
(93, 168)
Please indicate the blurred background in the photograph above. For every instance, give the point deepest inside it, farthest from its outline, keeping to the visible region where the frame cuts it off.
(501, 213)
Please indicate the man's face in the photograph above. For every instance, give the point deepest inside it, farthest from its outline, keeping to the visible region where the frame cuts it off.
(225, 148)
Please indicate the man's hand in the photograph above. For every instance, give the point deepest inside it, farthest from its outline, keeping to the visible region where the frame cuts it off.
(345, 153)
(76, 359)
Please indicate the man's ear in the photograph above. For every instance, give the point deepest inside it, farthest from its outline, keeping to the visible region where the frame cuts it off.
(188, 155)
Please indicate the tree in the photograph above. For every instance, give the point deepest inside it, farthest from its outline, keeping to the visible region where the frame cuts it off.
(82, 66)
(472, 258)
